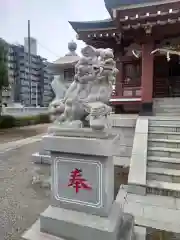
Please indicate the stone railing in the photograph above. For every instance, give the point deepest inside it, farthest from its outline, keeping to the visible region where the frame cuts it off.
(24, 111)
(138, 162)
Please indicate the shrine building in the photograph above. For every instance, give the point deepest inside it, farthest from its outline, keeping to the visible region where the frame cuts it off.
(134, 30)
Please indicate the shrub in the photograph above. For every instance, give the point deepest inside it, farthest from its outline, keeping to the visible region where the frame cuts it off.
(44, 118)
(7, 121)
(10, 121)
(25, 121)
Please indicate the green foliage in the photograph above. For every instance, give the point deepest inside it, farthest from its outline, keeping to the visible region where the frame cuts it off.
(44, 118)
(8, 121)
(26, 121)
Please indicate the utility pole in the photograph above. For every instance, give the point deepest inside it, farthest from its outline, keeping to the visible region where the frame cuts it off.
(36, 94)
(29, 61)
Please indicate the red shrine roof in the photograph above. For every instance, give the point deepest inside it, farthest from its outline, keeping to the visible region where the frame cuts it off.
(99, 24)
(138, 20)
(134, 14)
(111, 4)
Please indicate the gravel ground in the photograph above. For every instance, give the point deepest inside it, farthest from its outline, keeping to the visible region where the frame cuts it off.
(20, 201)
(13, 134)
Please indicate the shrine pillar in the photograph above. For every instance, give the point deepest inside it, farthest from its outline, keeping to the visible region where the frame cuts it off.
(119, 78)
(147, 78)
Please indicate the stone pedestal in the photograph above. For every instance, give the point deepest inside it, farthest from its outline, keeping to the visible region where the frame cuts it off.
(83, 205)
(41, 157)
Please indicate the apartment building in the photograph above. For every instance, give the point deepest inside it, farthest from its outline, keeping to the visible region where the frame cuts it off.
(30, 84)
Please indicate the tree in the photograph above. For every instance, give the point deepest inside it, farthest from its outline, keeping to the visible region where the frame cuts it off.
(4, 82)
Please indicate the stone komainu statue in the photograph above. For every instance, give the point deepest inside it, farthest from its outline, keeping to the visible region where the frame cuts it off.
(88, 96)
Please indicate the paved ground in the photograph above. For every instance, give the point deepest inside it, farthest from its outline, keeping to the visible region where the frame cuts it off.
(20, 201)
(13, 134)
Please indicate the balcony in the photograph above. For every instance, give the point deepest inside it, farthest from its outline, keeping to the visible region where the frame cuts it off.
(6, 93)
(34, 72)
(11, 65)
(125, 93)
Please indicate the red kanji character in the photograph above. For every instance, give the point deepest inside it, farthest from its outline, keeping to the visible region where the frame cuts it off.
(76, 181)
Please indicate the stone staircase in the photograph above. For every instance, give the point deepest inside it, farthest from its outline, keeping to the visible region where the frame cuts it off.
(163, 158)
(166, 106)
(153, 191)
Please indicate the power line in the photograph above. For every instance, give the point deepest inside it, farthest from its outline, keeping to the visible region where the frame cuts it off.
(48, 49)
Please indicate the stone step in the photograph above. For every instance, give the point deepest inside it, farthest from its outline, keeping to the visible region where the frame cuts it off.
(166, 114)
(163, 162)
(163, 174)
(163, 188)
(164, 128)
(166, 106)
(157, 118)
(167, 110)
(166, 143)
(169, 122)
(168, 100)
(164, 152)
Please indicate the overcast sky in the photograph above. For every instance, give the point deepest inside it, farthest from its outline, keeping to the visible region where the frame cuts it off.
(49, 22)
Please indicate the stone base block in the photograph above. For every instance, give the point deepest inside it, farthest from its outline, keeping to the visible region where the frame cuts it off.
(58, 223)
(34, 233)
(41, 158)
(77, 225)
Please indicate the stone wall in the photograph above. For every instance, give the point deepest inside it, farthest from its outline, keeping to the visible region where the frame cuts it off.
(124, 145)
(122, 156)
(125, 127)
